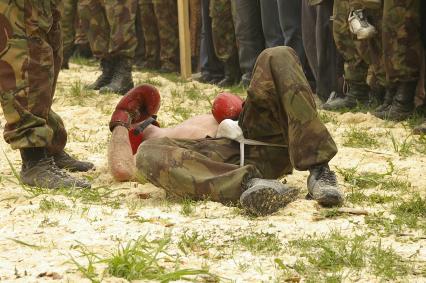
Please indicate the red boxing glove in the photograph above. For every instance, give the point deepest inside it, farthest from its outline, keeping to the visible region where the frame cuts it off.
(227, 106)
(136, 136)
(137, 105)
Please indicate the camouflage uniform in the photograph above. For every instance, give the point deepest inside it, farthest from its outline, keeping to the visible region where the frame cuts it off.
(69, 23)
(402, 46)
(160, 27)
(279, 109)
(110, 26)
(195, 27)
(30, 59)
(362, 57)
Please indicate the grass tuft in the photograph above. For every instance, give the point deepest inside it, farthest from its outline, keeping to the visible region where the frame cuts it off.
(359, 138)
(261, 243)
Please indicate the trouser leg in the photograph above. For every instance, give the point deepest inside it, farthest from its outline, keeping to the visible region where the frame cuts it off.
(248, 31)
(271, 23)
(94, 21)
(210, 64)
(166, 13)
(150, 32)
(28, 75)
(280, 109)
(196, 169)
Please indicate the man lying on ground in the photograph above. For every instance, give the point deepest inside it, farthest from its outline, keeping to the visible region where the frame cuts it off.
(278, 116)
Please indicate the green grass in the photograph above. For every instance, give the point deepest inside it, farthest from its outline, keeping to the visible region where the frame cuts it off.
(368, 180)
(192, 242)
(325, 258)
(327, 117)
(261, 243)
(98, 196)
(386, 263)
(404, 147)
(359, 138)
(139, 259)
(188, 207)
(52, 205)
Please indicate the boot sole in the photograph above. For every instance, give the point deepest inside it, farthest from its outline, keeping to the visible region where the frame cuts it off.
(264, 200)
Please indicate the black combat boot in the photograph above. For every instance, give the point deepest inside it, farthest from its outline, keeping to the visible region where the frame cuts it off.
(122, 80)
(387, 101)
(264, 196)
(232, 72)
(358, 95)
(420, 130)
(402, 105)
(107, 68)
(323, 187)
(64, 161)
(68, 52)
(39, 170)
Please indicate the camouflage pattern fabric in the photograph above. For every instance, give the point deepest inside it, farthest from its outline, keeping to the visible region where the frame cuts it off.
(69, 22)
(160, 28)
(402, 46)
(363, 58)
(30, 60)
(110, 26)
(364, 4)
(168, 31)
(150, 32)
(279, 109)
(195, 26)
(223, 30)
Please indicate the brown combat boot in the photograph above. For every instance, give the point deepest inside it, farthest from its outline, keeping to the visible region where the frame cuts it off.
(64, 161)
(122, 80)
(39, 170)
(107, 68)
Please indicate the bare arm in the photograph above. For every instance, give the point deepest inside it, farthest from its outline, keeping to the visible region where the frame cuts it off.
(120, 156)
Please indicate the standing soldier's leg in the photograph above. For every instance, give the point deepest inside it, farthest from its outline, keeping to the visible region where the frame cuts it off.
(195, 31)
(69, 20)
(224, 40)
(94, 22)
(139, 59)
(121, 16)
(248, 31)
(402, 51)
(26, 98)
(167, 20)
(355, 67)
(150, 33)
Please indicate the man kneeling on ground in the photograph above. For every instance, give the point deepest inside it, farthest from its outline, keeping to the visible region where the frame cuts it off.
(278, 122)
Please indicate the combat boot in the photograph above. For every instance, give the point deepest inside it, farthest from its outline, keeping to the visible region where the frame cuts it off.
(402, 105)
(263, 196)
(420, 130)
(358, 95)
(64, 161)
(68, 52)
(232, 72)
(122, 80)
(323, 187)
(387, 101)
(107, 68)
(39, 170)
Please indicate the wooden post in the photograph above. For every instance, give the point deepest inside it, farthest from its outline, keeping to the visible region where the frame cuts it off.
(184, 39)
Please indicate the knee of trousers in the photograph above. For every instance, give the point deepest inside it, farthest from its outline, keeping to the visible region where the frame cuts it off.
(281, 54)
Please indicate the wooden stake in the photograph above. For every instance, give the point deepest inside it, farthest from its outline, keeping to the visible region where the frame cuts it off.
(184, 39)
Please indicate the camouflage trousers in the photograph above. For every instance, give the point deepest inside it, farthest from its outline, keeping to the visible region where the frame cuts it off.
(402, 47)
(223, 30)
(69, 22)
(160, 28)
(30, 59)
(195, 26)
(110, 26)
(279, 109)
(363, 58)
